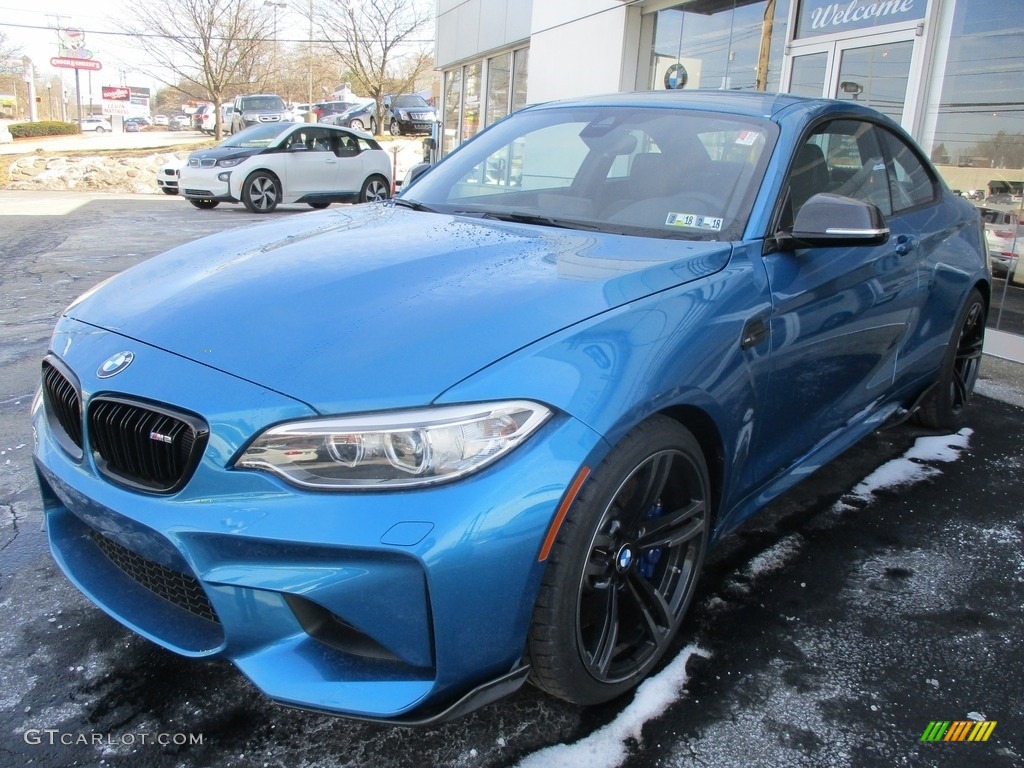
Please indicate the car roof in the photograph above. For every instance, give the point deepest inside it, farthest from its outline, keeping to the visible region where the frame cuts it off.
(746, 103)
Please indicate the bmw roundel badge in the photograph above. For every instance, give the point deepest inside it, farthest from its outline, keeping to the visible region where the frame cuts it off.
(114, 364)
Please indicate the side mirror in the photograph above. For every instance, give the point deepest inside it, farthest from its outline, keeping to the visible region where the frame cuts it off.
(828, 220)
(414, 173)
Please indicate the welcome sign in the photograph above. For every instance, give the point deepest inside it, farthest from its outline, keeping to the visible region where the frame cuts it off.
(818, 17)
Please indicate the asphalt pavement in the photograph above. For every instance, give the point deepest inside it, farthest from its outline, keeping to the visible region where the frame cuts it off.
(880, 596)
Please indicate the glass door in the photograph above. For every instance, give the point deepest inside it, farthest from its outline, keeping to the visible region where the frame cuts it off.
(875, 71)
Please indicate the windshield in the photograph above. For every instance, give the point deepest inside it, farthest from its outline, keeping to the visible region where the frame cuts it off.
(632, 170)
(263, 102)
(410, 100)
(259, 135)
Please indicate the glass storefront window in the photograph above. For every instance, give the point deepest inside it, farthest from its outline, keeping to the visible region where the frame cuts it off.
(520, 71)
(452, 109)
(975, 135)
(471, 100)
(498, 77)
(737, 46)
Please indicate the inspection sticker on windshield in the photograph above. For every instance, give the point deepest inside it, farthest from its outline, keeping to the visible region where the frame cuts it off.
(694, 221)
(748, 138)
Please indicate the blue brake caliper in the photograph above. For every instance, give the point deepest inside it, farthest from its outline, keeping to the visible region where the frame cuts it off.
(650, 558)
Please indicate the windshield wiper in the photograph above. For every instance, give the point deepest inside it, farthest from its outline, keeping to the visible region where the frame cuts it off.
(536, 218)
(415, 205)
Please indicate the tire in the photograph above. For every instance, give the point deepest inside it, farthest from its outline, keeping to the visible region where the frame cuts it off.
(168, 190)
(611, 601)
(100, 129)
(944, 405)
(375, 188)
(373, 126)
(356, 125)
(318, 206)
(394, 128)
(205, 205)
(261, 192)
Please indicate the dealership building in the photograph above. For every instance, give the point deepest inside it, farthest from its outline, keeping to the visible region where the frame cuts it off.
(951, 72)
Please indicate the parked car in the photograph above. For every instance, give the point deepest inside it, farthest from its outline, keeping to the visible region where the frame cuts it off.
(325, 109)
(360, 117)
(569, 358)
(208, 121)
(258, 108)
(180, 123)
(141, 122)
(1004, 235)
(167, 177)
(132, 127)
(197, 116)
(97, 124)
(160, 120)
(408, 113)
(266, 165)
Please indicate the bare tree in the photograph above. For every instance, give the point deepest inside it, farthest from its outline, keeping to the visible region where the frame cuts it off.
(215, 48)
(380, 43)
(7, 48)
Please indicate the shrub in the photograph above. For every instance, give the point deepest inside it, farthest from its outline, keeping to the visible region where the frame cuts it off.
(44, 128)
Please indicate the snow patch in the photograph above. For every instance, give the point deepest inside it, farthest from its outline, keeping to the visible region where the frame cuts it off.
(775, 558)
(909, 468)
(606, 747)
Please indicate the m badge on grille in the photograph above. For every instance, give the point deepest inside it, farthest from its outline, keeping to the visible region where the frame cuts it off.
(114, 364)
(160, 438)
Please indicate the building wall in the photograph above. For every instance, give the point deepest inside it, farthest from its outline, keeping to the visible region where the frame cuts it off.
(468, 28)
(605, 31)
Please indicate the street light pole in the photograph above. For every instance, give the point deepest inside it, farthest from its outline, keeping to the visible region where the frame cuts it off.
(275, 6)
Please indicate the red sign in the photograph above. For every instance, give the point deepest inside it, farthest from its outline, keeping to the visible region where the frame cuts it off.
(116, 93)
(65, 63)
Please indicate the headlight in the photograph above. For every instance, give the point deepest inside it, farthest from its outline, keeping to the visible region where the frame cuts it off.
(403, 115)
(231, 162)
(402, 449)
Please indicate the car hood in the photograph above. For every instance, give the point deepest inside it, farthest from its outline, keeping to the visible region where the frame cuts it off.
(377, 306)
(223, 153)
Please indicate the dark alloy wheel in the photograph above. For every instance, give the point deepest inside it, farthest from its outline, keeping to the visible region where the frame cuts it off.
(319, 206)
(624, 566)
(374, 188)
(261, 192)
(944, 406)
(205, 205)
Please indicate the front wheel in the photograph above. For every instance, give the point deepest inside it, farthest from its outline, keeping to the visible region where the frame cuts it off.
(374, 188)
(205, 205)
(261, 192)
(169, 190)
(373, 126)
(394, 128)
(318, 206)
(624, 566)
(356, 125)
(944, 406)
(100, 129)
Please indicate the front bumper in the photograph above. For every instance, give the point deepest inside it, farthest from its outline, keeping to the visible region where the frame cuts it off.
(374, 605)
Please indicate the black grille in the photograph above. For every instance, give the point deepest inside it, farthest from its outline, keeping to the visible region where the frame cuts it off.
(63, 403)
(178, 588)
(143, 446)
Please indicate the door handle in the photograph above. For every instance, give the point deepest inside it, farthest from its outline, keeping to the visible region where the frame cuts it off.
(905, 244)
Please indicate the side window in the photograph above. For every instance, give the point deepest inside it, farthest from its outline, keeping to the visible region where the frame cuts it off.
(348, 146)
(910, 182)
(843, 157)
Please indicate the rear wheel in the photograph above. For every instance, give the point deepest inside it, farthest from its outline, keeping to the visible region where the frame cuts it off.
(261, 192)
(943, 407)
(205, 204)
(319, 206)
(624, 566)
(374, 188)
(373, 126)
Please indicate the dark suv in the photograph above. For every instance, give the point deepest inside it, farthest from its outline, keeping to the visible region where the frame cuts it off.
(258, 108)
(408, 113)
